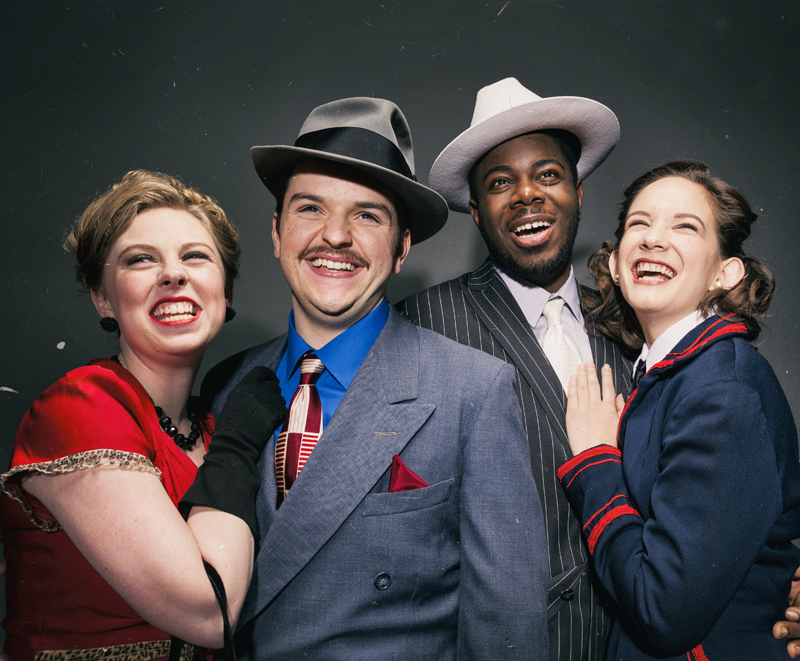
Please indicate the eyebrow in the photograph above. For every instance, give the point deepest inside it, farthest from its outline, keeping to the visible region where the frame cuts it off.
(682, 214)
(379, 206)
(305, 196)
(135, 248)
(146, 246)
(534, 165)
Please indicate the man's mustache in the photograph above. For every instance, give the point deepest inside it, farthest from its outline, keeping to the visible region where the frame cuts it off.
(531, 211)
(334, 254)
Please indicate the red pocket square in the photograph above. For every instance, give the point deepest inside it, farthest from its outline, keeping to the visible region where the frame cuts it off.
(403, 479)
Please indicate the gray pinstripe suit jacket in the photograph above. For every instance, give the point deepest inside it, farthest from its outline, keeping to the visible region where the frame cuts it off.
(478, 310)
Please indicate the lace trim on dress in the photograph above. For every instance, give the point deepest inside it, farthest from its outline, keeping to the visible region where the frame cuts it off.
(9, 482)
(144, 651)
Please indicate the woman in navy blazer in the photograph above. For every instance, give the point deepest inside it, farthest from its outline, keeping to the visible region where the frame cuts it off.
(689, 517)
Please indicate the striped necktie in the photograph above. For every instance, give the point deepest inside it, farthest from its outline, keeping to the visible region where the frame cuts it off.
(302, 428)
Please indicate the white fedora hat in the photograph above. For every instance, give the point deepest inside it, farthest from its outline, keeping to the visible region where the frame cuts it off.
(370, 135)
(505, 110)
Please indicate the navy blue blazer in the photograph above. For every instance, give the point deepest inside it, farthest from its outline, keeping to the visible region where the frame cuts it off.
(690, 525)
(455, 570)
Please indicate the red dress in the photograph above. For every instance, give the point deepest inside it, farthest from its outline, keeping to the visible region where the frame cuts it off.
(95, 416)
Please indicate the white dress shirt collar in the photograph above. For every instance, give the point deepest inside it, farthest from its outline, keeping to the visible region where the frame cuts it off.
(665, 342)
(532, 298)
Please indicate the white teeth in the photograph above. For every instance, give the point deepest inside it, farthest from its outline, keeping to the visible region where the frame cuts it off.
(333, 266)
(179, 310)
(648, 271)
(532, 226)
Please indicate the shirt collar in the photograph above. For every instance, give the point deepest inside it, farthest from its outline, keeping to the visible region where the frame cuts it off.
(670, 338)
(532, 298)
(343, 355)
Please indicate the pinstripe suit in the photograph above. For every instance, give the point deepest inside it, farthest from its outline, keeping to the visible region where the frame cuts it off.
(478, 310)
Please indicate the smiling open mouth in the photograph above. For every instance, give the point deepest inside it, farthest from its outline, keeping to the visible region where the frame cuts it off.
(329, 264)
(529, 229)
(175, 311)
(649, 272)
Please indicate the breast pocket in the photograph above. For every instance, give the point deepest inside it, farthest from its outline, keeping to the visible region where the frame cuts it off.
(379, 504)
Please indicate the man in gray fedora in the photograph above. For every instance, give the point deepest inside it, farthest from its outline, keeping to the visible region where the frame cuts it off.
(519, 171)
(399, 518)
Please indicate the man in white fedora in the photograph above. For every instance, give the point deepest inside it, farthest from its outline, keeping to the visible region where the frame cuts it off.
(398, 514)
(519, 170)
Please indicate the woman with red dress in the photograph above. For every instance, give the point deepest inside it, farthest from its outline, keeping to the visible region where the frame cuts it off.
(101, 562)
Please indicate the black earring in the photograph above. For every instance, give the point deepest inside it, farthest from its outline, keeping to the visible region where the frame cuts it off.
(230, 313)
(109, 324)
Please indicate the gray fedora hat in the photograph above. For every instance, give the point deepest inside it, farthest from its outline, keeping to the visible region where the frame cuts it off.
(367, 134)
(507, 109)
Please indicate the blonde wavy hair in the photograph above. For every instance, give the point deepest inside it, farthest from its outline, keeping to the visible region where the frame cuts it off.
(92, 236)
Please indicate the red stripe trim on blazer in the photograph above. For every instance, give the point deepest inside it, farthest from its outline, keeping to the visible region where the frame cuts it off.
(594, 463)
(701, 341)
(586, 454)
(608, 517)
(603, 509)
(697, 344)
(697, 654)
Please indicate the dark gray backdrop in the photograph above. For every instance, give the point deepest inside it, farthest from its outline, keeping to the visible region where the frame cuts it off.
(92, 89)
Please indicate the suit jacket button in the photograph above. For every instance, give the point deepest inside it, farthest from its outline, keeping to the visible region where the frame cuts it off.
(382, 581)
(568, 594)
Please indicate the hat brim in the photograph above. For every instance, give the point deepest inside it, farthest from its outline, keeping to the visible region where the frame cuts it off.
(591, 122)
(426, 209)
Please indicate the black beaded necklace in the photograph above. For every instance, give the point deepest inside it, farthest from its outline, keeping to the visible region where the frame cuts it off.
(183, 442)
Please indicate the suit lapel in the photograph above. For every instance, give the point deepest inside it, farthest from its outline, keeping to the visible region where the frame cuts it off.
(500, 313)
(376, 418)
(222, 378)
(267, 495)
(606, 351)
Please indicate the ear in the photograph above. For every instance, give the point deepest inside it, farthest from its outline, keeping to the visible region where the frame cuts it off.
(402, 252)
(101, 303)
(229, 293)
(276, 237)
(612, 264)
(731, 273)
(473, 211)
(579, 192)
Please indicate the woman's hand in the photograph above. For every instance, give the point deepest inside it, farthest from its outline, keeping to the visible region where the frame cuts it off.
(592, 412)
(253, 410)
(229, 477)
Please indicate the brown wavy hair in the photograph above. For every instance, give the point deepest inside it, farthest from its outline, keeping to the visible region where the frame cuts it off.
(92, 236)
(610, 313)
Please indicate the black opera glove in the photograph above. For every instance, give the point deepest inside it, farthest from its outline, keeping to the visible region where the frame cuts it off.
(229, 478)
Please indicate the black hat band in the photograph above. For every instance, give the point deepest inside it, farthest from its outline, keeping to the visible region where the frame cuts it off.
(357, 143)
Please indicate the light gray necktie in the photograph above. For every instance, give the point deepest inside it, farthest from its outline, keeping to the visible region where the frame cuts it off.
(560, 351)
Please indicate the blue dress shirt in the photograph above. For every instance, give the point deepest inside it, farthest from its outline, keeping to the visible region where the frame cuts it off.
(342, 357)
